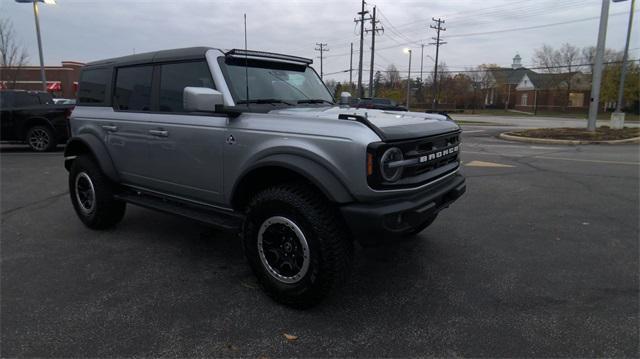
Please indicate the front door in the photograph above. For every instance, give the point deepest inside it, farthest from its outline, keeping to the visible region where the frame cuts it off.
(185, 149)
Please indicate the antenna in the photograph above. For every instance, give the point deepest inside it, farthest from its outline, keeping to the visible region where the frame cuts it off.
(246, 65)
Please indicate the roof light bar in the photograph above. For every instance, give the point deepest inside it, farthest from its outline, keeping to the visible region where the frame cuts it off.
(239, 53)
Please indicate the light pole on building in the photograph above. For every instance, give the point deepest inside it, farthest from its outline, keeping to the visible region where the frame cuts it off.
(35, 14)
(408, 51)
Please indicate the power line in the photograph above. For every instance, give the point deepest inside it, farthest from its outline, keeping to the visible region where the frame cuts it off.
(501, 31)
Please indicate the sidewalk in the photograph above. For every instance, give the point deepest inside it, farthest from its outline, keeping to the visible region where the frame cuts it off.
(533, 122)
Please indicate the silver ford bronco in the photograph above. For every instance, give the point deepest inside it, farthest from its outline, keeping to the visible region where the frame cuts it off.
(252, 142)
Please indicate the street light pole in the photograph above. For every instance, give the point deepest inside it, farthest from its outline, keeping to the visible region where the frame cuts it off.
(42, 75)
(408, 78)
(617, 118)
(597, 67)
(35, 14)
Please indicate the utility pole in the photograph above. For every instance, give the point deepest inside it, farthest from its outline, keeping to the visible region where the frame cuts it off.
(438, 27)
(617, 118)
(361, 20)
(373, 31)
(351, 67)
(597, 67)
(421, 60)
(322, 48)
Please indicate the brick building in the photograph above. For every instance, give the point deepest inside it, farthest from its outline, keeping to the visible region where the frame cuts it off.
(553, 92)
(62, 81)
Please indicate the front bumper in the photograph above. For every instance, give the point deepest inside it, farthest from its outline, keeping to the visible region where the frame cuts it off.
(373, 222)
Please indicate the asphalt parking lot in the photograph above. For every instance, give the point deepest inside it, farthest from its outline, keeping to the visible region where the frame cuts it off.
(539, 258)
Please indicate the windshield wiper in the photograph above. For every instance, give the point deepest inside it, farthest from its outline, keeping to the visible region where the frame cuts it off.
(266, 100)
(313, 100)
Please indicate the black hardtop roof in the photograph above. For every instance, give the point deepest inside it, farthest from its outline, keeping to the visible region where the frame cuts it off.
(187, 53)
(156, 56)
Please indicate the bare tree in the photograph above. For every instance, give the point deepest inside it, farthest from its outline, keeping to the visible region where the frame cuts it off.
(547, 58)
(589, 54)
(12, 54)
(392, 76)
(569, 57)
(565, 59)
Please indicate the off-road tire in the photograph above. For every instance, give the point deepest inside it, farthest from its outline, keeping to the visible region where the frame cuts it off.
(421, 227)
(41, 138)
(330, 247)
(107, 211)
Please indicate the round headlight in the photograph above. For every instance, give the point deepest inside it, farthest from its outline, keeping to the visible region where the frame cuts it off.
(389, 174)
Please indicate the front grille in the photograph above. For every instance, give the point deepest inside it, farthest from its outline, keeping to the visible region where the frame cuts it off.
(426, 146)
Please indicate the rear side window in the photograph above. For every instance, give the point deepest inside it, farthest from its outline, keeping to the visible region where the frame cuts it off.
(93, 86)
(133, 88)
(25, 99)
(175, 77)
(45, 98)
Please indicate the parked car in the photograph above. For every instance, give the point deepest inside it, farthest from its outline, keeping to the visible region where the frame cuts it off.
(378, 103)
(268, 156)
(31, 117)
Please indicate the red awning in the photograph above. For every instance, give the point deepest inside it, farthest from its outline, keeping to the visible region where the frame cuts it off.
(54, 86)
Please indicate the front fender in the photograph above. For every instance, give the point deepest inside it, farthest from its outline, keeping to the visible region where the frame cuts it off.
(89, 143)
(319, 175)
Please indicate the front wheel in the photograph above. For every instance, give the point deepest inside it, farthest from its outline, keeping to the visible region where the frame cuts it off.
(296, 245)
(92, 195)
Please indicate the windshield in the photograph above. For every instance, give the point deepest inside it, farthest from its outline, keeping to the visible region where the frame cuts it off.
(273, 82)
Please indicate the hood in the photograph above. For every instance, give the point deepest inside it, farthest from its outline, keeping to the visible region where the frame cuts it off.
(392, 125)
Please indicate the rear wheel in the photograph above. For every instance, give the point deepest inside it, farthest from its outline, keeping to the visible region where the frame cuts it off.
(296, 245)
(92, 195)
(41, 138)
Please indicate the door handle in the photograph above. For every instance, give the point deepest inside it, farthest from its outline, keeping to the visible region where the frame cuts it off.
(109, 128)
(159, 133)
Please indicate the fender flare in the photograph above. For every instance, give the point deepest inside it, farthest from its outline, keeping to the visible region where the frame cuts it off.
(87, 142)
(314, 172)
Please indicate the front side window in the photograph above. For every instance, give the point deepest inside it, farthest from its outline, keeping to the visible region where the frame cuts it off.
(175, 77)
(133, 88)
(92, 86)
(269, 80)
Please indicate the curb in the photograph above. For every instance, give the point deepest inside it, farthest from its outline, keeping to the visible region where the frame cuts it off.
(548, 141)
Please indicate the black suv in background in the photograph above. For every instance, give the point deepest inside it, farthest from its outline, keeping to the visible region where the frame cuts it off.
(31, 117)
(378, 104)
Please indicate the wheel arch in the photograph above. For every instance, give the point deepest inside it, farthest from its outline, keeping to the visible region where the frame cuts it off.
(90, 144)
(35, 121)
(287, 168)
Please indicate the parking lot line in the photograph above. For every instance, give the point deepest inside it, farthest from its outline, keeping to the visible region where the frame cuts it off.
(476, 163)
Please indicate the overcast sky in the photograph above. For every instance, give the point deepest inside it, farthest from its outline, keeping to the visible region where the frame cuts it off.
(86, 30)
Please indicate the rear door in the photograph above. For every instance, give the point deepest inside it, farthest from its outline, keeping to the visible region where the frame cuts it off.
(25, 106)
(186, 148)
(128, 126)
